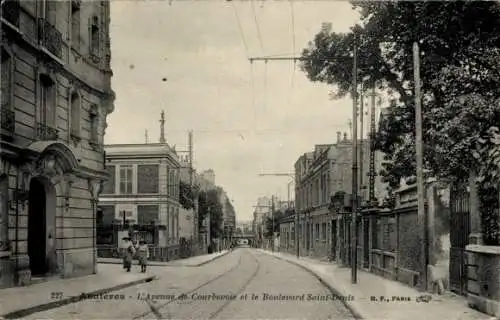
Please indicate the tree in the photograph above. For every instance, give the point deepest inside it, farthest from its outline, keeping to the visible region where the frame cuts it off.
(210, 200)
(460, 66)
(239, 231)
(278, 215)
(187, 195)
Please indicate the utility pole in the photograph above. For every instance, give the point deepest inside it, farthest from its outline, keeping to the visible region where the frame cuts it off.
(372, 148)
(209, 240)
(354, 249)
(361, 148)
(272, 218)
(297, 217)
(422, 214)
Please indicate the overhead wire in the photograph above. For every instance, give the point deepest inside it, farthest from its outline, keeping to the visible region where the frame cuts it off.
(245, 45)
(240, 27)
(292, 81)
(261, 43)
(259, 35)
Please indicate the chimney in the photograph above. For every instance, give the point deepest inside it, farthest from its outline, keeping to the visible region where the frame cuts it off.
(345, 136)
(339, 136)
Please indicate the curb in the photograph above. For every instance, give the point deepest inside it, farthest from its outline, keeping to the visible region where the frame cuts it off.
(354, 310)
(208, 261)
(166, 264)
(59, 303)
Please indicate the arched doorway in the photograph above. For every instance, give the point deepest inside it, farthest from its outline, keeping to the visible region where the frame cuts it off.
(41, 210)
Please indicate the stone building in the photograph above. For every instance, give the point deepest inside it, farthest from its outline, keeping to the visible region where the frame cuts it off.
(144, 189)
(55, 97)
(318, 176)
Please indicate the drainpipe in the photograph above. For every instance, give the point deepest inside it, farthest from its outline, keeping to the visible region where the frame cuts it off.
(94, 253)
(17, 215)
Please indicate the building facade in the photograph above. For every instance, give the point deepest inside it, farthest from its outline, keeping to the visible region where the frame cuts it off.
(319, 175)
(260, 214)
(55, 97)
(143, 192)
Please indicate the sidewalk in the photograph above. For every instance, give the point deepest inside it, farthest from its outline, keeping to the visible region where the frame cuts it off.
(21, 301)
(188, 262)
(390, 295)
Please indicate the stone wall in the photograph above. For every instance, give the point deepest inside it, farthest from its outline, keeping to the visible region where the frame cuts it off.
(483, 272)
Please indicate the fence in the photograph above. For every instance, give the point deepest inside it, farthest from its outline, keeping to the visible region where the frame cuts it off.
(155, 253)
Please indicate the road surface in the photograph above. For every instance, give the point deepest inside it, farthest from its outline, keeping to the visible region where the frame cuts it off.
(244, 284)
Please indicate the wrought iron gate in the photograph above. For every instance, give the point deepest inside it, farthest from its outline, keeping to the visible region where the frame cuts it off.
(459, 237)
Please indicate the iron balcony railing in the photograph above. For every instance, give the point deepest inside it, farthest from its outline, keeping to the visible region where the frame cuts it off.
(8, 122)
(44, 132)
(50, 37)
(11, 11)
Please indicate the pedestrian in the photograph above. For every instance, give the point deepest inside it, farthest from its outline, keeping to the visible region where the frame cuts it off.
(128, 253)
(143, 255)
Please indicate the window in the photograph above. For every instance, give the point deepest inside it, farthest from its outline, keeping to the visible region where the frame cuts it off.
(75, 24)
(107, 215)
(75, 114)
(147, 178)
(6, 86)
(47, 110)
(323, 231)
(109, 186)
(147, 214)
(11, 12)
(4, 212)
(316, 232)
(126, 179)
(94, 124)
(49, 11)
(94, 37)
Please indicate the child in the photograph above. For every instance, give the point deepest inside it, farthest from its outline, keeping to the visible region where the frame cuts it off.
(128, 254)
(143, 255)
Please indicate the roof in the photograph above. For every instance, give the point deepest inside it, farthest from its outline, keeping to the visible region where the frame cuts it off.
(140, 150)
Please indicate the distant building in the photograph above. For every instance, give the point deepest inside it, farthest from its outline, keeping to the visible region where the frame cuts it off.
(209, 175)
(143, 194)
(319, 175)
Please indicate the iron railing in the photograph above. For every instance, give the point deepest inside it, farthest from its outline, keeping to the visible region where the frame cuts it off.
(8, 122)
(50, 37)
(44, 132)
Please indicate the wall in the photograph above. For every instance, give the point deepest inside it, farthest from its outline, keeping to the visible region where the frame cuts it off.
(186, 223)
(72, 229)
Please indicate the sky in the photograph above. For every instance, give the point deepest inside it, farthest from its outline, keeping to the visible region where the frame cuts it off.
(247, 119)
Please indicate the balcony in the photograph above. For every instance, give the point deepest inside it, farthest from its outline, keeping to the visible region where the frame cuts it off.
(11, 11)
(44, 132)
(50, 37)
(8, 122)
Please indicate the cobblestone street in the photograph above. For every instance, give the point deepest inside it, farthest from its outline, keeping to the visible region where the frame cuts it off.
(240, 281)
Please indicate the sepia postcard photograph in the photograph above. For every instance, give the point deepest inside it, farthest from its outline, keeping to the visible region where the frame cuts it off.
(250, 159)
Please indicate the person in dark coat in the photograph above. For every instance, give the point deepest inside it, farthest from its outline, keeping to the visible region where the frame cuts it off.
(128, 254)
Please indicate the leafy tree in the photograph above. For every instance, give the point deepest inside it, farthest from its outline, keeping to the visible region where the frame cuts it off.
(278, 215)
(460, 72)
(187, 195)
(239, 231)
(210, 200)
